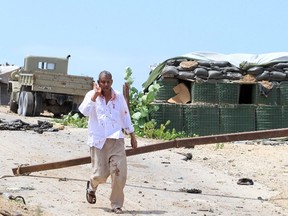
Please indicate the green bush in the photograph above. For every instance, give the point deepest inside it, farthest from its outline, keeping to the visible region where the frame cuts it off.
(73, 120)
(140, 109)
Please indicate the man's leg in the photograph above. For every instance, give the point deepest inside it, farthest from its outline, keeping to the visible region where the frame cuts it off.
(100, 168)
(118, 171)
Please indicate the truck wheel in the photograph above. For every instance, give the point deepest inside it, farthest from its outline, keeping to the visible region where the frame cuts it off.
(37, 104)
(13, 105)
(20, 102)
(28, 104)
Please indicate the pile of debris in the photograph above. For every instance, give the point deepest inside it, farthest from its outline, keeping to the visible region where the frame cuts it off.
(19, 125)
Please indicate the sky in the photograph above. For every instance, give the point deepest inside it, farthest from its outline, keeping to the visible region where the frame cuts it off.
(113, 35)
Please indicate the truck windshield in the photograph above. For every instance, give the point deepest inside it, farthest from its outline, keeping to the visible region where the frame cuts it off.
(46, 66)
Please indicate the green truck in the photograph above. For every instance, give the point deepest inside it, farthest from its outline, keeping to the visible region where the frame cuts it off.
(43, 84)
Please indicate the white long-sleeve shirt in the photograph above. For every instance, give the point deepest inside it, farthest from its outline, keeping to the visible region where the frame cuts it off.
(106, 120)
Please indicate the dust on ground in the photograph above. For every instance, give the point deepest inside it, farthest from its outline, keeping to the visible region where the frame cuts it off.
(158, 182)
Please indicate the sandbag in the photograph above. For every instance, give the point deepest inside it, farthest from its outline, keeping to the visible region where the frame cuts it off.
(169, 71)
(201, 72)
(233, 76)
(186, 75)
(263, 76)
(221, 63)
(204, 63)
(281, 65)
(231, 69)
(188, 65)
(214, 74)
(215, 68)
(203, 67)
(255, 70)
(277, 76)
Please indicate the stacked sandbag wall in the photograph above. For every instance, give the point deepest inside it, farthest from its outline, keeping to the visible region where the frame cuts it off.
(216, 106)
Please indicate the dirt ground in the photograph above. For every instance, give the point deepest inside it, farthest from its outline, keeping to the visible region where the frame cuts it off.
(159, 183)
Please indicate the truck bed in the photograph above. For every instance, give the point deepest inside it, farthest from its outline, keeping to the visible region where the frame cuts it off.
(57, 83)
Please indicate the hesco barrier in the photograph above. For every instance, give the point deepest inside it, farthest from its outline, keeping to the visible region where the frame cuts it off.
(267, 98)
(166, 91)
(284, 116)
(215, 108)
(228, 93)
(237, 118)
(172, 112)
(283, 93)
(268, 117)
(201, 119)
(204, 93)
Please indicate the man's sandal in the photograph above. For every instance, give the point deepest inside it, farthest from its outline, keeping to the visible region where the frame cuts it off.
(90, 195)
(117, 210)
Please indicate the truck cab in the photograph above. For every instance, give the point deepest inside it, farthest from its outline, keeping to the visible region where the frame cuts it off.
(46, 64)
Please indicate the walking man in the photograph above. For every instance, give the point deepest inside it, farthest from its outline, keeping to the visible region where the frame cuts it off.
(108, 117)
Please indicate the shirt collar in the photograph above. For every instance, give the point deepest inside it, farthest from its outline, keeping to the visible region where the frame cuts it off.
(113, 94)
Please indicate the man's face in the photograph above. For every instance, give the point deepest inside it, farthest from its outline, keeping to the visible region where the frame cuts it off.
(105, 83)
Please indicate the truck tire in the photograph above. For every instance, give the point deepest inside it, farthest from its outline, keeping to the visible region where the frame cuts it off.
(20, 102)
(37, 104)
(28, 104)
(13, 105)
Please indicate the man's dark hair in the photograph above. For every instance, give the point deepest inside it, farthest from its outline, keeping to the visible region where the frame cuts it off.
(105, 73)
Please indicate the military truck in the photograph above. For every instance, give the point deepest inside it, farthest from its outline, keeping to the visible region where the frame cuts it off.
(43, 84)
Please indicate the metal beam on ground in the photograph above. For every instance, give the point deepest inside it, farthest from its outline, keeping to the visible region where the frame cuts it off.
(186, 142)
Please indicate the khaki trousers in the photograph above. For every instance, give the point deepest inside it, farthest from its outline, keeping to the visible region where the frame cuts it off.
(110, 161)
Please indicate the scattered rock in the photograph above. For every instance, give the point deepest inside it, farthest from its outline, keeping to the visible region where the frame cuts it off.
(245, 181)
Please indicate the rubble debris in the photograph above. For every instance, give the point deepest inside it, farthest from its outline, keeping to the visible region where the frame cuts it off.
(11, 197)
(245, 181)
(19, 125)
(262, 199)
(193, 190)
(188, 156)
